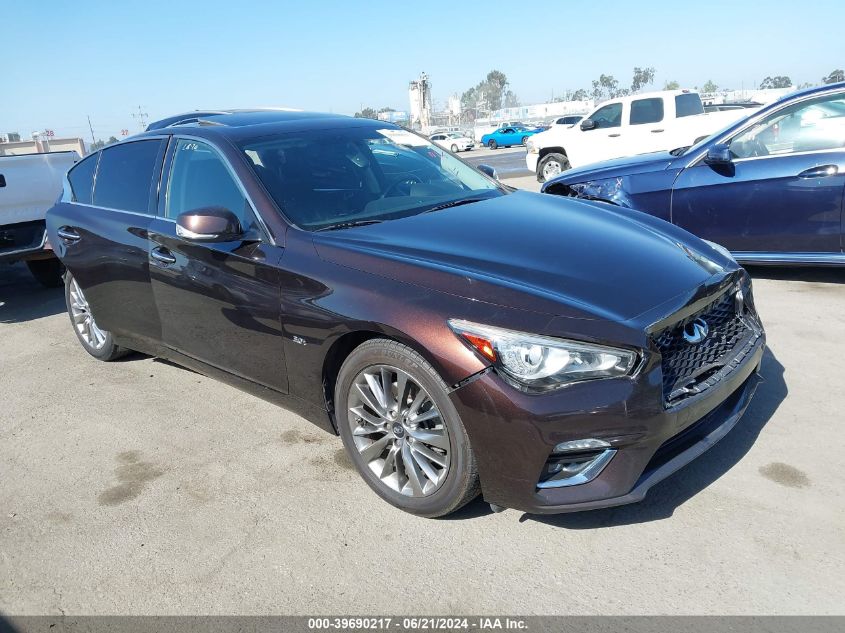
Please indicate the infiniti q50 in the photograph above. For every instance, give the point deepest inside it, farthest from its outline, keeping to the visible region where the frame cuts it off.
(461, 337)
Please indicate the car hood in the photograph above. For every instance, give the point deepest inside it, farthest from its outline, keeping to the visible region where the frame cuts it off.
(625, 166)
(534, 252)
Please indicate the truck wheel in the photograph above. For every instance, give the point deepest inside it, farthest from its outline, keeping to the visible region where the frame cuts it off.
(492, 144)
(551, 165)
(48, 272)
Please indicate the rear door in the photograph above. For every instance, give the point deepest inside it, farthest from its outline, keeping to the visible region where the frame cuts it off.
(100, 231)
(783, 192)
(219, 302)
(646, 125)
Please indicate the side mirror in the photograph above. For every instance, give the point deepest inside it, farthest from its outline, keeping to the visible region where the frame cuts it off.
(490, 171)
(209, 224)
(588, 124)
(719, 154)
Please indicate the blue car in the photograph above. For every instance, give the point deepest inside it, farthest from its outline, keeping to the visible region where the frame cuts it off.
(507, 136)
(769, 188)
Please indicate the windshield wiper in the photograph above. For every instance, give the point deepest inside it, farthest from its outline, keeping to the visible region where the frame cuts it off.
(347, 225)
(454, 203)
(680, 151)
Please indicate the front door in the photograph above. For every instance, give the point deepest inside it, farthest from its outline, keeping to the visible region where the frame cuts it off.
(219, 303)
(606, 140)
(782, 193)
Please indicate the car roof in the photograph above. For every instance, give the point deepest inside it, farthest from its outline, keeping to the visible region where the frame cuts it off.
(253, 123)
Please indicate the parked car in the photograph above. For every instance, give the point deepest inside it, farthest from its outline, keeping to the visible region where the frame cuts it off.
(455, 141)
(481, 129)
(29, 185)
(637, 124)
(459, 335)
(566, 121)
(508, 136)
(769, 188)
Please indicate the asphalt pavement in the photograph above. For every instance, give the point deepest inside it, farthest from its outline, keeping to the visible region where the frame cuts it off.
(508, 162)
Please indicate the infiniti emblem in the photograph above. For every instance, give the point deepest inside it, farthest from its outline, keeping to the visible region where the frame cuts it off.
(696, 331)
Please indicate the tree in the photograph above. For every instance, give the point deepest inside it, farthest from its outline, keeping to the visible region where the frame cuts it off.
(98, 144)
(606, 87)
(491, 93)
(642, 77)
(671, 85)
(111, 140)
(709, 86)
(579, 95)
(779, 81)
(835, 77)
(367, 113)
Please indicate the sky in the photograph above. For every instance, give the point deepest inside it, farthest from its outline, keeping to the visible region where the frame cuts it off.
(65, 60)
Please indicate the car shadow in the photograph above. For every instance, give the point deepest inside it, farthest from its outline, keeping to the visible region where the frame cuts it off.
(22, 298)
(663, 498)
(829, 275)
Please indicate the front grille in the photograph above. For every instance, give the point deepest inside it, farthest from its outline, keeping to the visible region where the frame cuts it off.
(691, 368)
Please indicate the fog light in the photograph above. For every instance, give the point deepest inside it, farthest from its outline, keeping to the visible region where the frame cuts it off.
(581, 445)
(575, 462)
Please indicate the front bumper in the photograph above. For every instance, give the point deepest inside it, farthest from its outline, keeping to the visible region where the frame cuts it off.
(513, 433)
(531, 161)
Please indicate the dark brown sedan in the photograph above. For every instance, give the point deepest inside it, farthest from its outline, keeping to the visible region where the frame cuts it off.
(459, 336)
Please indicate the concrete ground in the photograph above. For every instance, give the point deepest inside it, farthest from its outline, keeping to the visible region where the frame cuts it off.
(137, 487)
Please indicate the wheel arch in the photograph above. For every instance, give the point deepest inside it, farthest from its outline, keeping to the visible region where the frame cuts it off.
(340, 349)
(545, 151)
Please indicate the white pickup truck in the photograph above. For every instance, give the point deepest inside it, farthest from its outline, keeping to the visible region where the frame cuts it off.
(29, 185)
(638, 124)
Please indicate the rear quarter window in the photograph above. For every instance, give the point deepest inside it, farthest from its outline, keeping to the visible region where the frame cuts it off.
(81, 179)
(646, 111)
(125, 175)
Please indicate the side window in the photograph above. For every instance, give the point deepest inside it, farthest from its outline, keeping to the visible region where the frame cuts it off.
(125, 175)
(81, 179)
(199, 178)
(646, 111)
(813, 125)
(608, 116)
(688, 104)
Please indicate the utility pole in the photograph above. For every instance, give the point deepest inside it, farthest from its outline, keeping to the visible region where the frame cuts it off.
(141, 117)
(91, 127)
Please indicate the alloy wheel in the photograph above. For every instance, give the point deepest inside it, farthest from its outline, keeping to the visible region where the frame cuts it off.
(398, 431)
(83, 320)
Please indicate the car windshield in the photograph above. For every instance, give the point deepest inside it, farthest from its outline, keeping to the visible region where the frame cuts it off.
(351, 175)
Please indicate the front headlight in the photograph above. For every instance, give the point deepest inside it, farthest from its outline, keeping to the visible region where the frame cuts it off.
(529, 145)
(721, 249)
(541, 361)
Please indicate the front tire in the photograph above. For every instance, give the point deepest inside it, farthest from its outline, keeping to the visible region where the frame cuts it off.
(96, 341)
(402, 431)
(48, 272)
(524, 140)
(551, 165)
(454, 149)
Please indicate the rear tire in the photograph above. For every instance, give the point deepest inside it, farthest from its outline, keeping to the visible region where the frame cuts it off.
(381, 431)
(492, 144)
(94, 340)
(551, 165)
(48, 272)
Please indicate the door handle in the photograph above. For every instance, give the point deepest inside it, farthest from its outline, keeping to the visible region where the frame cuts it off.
(68, 234)
(614, 135)
(656, 131)
(819, 172)
(163, 255)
